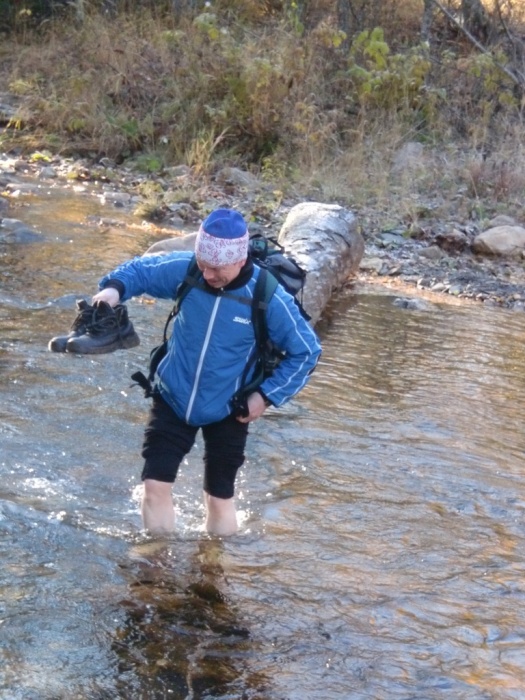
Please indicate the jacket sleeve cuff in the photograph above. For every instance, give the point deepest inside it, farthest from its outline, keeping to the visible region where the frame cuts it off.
(265, 398)
(116, 284)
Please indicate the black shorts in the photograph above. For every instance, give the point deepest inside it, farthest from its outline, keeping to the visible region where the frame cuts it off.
(168, 439)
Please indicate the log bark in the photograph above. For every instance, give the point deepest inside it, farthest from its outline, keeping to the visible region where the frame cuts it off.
(325, 241)
(322, 238)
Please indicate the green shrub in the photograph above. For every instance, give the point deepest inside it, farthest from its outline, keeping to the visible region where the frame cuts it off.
(386, 81)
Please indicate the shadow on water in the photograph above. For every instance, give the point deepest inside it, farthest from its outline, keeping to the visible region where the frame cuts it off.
(381, 550)
(76, 624)
(182, 632)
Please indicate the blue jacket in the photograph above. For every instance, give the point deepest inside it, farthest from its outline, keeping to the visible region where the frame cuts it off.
(213, 338)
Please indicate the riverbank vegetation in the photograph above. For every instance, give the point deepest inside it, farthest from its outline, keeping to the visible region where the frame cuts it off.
(407, 105)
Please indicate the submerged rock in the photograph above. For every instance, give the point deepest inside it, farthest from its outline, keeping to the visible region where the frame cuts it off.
(412, 303)
(15, 231)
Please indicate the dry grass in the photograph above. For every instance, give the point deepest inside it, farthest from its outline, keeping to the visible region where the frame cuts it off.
(254, 91)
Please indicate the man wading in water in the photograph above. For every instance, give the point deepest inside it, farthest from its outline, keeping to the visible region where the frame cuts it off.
(205, 361)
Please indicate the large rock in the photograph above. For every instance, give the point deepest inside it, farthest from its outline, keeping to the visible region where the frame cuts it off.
(505, 241)
(237, 178)
(168, 245)
(322, 238)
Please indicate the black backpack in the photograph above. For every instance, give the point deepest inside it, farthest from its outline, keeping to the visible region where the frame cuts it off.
(268, 254)
(275, 268)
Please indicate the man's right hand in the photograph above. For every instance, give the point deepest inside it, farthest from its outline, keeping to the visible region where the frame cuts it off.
(110, 295)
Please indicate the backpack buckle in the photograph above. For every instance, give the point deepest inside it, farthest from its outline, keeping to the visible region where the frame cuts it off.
(141, 380)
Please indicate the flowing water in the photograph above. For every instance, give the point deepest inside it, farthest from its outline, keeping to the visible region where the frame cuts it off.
(381, 554)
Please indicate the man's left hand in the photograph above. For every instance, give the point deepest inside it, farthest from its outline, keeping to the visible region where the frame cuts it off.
(256, 407)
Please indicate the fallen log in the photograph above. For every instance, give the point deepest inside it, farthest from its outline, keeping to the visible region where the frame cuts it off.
(322, 238)
(325, 241)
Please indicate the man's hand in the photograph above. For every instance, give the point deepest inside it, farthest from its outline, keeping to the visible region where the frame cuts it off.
(256, 407)
(109, 295)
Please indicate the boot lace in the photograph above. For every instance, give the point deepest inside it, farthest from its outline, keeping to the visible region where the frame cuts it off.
(103, 324)
(82, 319)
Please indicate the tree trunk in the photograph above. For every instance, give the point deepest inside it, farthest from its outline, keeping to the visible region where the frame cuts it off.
(476, 19)
(344, 21)
(427, 20)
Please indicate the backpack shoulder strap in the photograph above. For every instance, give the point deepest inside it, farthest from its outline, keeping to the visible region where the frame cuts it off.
(190, 280)
(265, 287)
(192, 277)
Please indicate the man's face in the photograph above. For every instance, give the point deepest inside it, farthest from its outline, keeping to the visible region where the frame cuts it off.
(219, 277)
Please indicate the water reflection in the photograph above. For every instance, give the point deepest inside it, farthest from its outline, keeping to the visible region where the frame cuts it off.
(182, 632)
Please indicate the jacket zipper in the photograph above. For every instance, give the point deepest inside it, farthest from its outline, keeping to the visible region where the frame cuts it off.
(201, 358)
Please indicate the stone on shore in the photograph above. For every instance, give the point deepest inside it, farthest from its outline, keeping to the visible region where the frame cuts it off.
(503, 241)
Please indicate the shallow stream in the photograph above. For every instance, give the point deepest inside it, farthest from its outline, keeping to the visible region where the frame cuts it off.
(382, 549)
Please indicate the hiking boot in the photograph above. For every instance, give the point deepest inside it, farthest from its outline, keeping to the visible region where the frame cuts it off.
(78, 327)
(110, 329)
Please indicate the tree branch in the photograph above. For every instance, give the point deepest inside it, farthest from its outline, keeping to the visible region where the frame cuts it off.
(516, 76)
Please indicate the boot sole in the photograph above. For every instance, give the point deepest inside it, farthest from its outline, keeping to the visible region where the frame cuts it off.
(56, 347)
(130, 341)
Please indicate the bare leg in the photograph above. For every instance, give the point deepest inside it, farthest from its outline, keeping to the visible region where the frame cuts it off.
(221, 517)
(158, 514)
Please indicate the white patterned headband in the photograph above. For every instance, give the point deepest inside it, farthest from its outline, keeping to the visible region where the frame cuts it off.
(222, 239)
